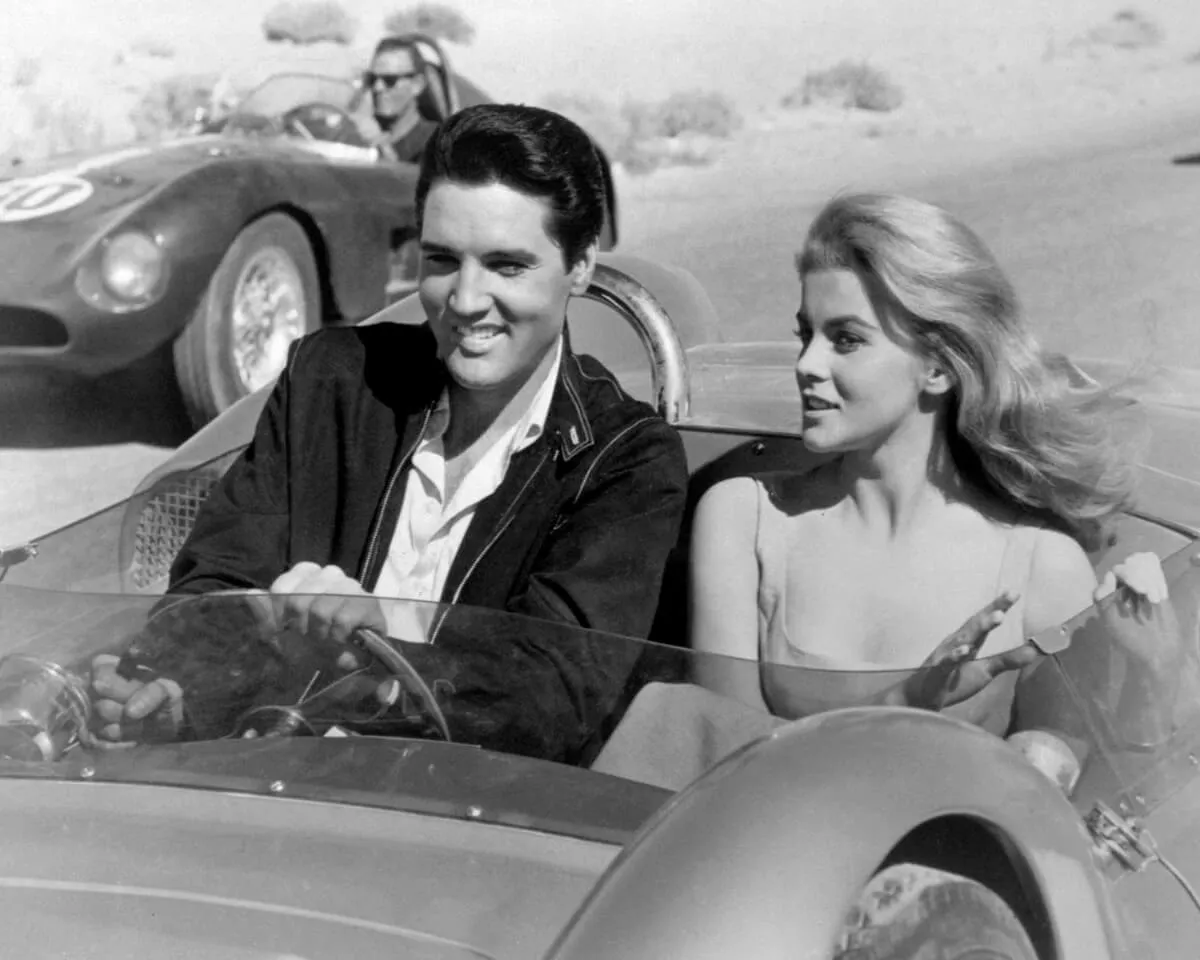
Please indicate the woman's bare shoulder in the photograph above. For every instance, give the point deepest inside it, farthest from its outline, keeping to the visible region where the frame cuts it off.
(1061, 580)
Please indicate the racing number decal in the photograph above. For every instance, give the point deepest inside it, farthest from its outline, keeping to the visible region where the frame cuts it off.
(32, 197)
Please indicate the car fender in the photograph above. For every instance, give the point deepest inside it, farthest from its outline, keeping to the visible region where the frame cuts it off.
(765, 854)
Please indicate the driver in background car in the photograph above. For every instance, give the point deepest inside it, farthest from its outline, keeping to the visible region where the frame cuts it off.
(396, 80)
(475, 459)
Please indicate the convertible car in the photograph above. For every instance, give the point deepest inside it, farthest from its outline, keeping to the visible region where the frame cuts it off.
(224, 245)
(284, 825)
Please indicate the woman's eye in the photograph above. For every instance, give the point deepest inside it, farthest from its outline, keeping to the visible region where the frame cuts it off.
(803, 334)
(845, 342)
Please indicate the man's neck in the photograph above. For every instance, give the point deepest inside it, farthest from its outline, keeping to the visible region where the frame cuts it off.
(401, 124)
(477, 417)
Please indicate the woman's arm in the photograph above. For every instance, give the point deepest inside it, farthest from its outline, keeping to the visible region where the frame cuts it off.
(723, 590)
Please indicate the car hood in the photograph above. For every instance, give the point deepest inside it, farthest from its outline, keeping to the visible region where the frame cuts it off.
(44, 236)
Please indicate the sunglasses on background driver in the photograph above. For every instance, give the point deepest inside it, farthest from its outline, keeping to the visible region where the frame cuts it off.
(389, 80)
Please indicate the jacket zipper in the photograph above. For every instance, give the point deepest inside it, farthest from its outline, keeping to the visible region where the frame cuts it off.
(373, 541)
(508, 519)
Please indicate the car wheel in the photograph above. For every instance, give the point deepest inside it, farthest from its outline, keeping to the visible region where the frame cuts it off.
(264, 294)
(911, 912)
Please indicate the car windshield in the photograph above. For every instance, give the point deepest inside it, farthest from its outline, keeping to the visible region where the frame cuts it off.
(1123, 690)
(483, 678)
(516, 686)
(281, 93)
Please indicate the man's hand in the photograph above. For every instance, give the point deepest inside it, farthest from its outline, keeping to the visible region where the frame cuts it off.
(132, 711)
(324, 604)
(951, 673)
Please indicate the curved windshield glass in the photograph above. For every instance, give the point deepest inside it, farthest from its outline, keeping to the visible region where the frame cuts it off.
(1122, 688)
(258, 695)
(262, 703)
(281, 93)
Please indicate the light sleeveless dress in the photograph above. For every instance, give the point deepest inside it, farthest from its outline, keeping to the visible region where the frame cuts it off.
(827, 683)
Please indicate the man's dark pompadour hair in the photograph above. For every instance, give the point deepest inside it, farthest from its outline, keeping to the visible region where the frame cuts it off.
(533, 151)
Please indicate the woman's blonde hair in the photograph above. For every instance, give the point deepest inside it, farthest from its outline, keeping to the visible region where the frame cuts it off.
(1017, 426)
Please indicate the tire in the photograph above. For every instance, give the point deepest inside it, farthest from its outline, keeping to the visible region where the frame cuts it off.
(235, 343)
(910, 912)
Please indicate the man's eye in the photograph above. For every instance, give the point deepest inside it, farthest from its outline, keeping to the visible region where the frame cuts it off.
(510, 268)
(442, 260)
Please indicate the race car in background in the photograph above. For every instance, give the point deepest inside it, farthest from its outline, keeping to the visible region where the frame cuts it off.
(223, 246)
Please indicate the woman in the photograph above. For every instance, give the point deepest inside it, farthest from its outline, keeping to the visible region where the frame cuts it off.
(962, 479)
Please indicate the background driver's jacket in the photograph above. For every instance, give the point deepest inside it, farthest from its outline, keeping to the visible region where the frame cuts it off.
(578, 532)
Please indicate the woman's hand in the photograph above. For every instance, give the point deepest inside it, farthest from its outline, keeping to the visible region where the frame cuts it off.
(1138, 616)
(951, 673)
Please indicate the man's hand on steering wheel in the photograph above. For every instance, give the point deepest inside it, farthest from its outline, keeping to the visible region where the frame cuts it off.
(128, 710)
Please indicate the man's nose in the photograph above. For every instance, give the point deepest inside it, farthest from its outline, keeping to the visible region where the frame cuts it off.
(470, 293)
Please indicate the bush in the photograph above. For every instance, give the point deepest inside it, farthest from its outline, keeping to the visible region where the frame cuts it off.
(438, 20)
(1129, 29)
(309, 21)
(853, 86)
(155, 49)
(707, 114)
(25, 74)
(171, 105)
(54, 126)
(681, 130)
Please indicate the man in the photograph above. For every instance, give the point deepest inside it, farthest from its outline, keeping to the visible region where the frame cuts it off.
(475, 460)
(395, 80)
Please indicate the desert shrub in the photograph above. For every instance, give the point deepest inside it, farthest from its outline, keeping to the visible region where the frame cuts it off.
(682, 130)
(309, 21)
(170, 105)
(56, 126)
(438, 20)
(150, 47)
(699, 112)
(851, 85)
(26, 72)
(1129, 29)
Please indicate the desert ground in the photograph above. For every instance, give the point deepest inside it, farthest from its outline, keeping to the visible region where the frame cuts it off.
(1049, 127)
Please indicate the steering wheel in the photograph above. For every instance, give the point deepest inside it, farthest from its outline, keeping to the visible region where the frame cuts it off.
(252, 124)
(403, 680)
(323, 122)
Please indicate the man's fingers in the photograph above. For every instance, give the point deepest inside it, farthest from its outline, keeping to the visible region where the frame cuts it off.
(110, 711)
(290, 580)
(143, 703)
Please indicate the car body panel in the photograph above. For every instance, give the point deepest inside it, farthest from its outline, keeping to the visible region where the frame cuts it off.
(208, 873)
(194, 196)
(765, 853)
(694, 883)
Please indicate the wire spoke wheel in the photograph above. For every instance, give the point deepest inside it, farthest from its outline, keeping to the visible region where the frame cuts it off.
(269, 312)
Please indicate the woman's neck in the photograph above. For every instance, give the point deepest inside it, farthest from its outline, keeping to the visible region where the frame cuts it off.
(892, 485)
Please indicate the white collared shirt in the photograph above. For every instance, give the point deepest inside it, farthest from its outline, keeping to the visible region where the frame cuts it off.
(430, 528)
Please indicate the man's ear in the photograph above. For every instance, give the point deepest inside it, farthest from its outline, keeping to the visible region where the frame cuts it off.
(581, 273)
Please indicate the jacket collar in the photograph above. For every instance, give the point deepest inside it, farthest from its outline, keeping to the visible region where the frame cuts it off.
(567, 423)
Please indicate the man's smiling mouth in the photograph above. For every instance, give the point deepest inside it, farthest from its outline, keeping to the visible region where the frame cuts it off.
(477, 335)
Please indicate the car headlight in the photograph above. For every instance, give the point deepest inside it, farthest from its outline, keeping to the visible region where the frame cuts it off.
(132, 266)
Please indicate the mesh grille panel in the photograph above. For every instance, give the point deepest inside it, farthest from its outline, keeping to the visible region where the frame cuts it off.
(164, 523)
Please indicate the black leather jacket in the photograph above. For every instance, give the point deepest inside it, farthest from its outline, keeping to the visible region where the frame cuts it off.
(578, 532)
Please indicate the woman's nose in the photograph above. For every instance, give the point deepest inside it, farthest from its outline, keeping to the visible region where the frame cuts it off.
(811, 364)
